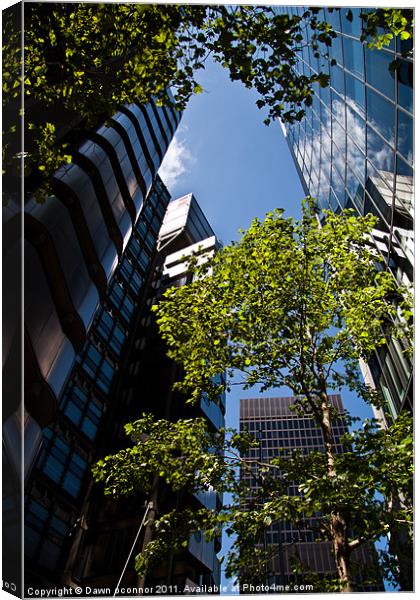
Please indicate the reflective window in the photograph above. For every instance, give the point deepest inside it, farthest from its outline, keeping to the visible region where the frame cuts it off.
(45, 531)
(338, 185)
(325, 120)
(404, 46)
(160, 209)
(356, 125)
(110, 331)
(353, 56)
(131, 277)
(403, 168)
(155, 224)
(337, 49)
(405, 84)
(76, 469)
(337, 78)
(405, 135)
(122, 303)
(338, 158)
(141, 228)
(352, 182)
(339, 135)
(333, 16)
(316, 109)
(97, 367)
(351, 21)
(379, 179)
(325, 95)
(380, 114)
(379, 73)
(64, 465)
(84, 410)
(355, 158)
(355, 91)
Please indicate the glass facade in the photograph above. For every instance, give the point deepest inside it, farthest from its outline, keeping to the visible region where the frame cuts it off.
(354, 149)
(60, 475)
(120, 372)
(279, 430)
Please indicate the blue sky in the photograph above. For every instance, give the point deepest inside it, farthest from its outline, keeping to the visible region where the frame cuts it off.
(236, 166)
(238, 169)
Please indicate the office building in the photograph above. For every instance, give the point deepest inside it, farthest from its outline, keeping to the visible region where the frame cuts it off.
(73, 244)
(354, 149)
(280, 430)
(80, 252)
(74, 535)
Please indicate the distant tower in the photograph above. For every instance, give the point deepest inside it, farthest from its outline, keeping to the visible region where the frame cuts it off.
(279, 430)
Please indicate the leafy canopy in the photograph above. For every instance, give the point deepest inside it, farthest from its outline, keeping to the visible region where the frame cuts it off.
(376, 465)
(290, 304)
(82, 60)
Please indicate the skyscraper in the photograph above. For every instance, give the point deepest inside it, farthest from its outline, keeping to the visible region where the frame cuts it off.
(74, 535)
(73, 244)
(354, 149)
(90, 243)
(279, 430)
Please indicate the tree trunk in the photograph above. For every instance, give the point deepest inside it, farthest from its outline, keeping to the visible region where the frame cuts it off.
(148, 531)
(341, 552)
(338, 525)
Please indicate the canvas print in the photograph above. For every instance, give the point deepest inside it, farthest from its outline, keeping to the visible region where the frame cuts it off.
(207, 299)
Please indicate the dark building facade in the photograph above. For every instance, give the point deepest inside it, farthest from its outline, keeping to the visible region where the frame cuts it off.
(280, 430)
(354, 149)
(73, 244)
(74, 535)
(57, 484)
(99, 205)
(93, 265)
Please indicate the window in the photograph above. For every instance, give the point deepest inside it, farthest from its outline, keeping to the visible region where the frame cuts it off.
(333, 17)
(355, 91)
(121, 301)
(155, 224)
(356, 159)
(405, 135)
(110, 331)
(130, 275)
(337, 78)
(72, 480)
(379, 72)
(405, 84)
(381, 114)
(62, 464)
(337, 48)
(353, 56)
(99, 369)
(83, 410)
(45, 532)
(378, 152)
(353, 26)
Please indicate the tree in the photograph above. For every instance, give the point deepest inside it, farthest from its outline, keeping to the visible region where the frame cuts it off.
(297, 305)
(82, 60)
(381, 26)
(186, 455)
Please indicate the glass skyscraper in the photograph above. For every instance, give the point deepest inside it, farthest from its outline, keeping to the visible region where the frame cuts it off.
(354, 149)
